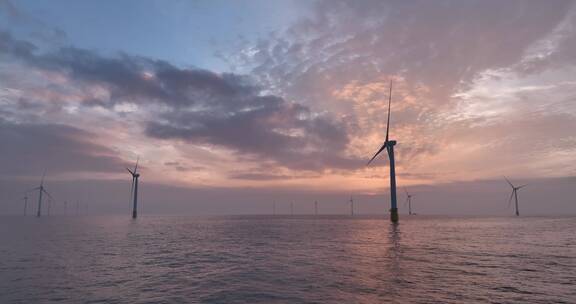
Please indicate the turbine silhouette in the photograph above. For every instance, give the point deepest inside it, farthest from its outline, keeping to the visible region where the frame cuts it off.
(514, 194)
(408, 201)
(389, 146)
(351, 206)
(315, 207)
(42, 190)
(134, 189)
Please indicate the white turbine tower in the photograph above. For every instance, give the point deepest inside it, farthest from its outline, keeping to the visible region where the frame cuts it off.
(134, 189)
(514, 194)
(41, 191)
(389, 146)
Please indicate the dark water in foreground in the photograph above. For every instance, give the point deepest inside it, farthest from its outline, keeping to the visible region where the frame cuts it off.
(287, 260)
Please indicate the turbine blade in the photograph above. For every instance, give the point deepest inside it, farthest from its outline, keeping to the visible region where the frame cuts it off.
(510, 199)
(509, 183)
(136, 167)
(522, 186)
(46, 192)
(406, 192)
(385, 145)
(130, 171)
(389, 103)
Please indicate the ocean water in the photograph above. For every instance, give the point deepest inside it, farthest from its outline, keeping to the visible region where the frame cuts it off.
(260, 259)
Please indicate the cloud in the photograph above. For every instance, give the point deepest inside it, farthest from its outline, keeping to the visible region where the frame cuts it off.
(28, 149)
(314, 97)
(201, 107)
(344, 53)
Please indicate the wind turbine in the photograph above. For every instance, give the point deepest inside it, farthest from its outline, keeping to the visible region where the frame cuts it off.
(514, 194)
(408, 201)
(41, 190)
(351, 206)
(389, 146)
(315, 208)
(292, 208)
(274, 208)
(134, 189)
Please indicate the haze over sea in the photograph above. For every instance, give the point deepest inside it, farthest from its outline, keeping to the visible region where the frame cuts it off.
(282, 259)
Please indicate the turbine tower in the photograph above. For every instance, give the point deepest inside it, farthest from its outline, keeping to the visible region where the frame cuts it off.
(408, 201)
(134, 189)
(514, 194)
(41, 190)
(292, 208)
(389, 146)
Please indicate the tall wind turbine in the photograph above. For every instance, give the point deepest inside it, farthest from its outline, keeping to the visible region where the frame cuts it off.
(408, 201)
(41, 190)
(514, 194)
(389, 146)
(134, 189)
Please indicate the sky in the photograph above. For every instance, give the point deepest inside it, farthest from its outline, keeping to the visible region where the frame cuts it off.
(232, 105)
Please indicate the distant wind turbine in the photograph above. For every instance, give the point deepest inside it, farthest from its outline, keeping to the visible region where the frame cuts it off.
(389, 146)
(408, 201)
(292, 208)
(42, 190)
(315, 207)
(514, 194)
(134, 189)
(351, 206)
(274, 208)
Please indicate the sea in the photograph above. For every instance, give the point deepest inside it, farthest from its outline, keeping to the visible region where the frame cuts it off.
(287, 259)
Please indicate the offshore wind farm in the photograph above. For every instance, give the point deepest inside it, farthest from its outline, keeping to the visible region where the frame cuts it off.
(224, 152)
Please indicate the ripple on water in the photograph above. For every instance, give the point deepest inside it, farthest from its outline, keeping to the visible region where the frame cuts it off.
(287, 260)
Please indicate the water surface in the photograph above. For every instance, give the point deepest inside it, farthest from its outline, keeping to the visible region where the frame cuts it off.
(260, 259)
